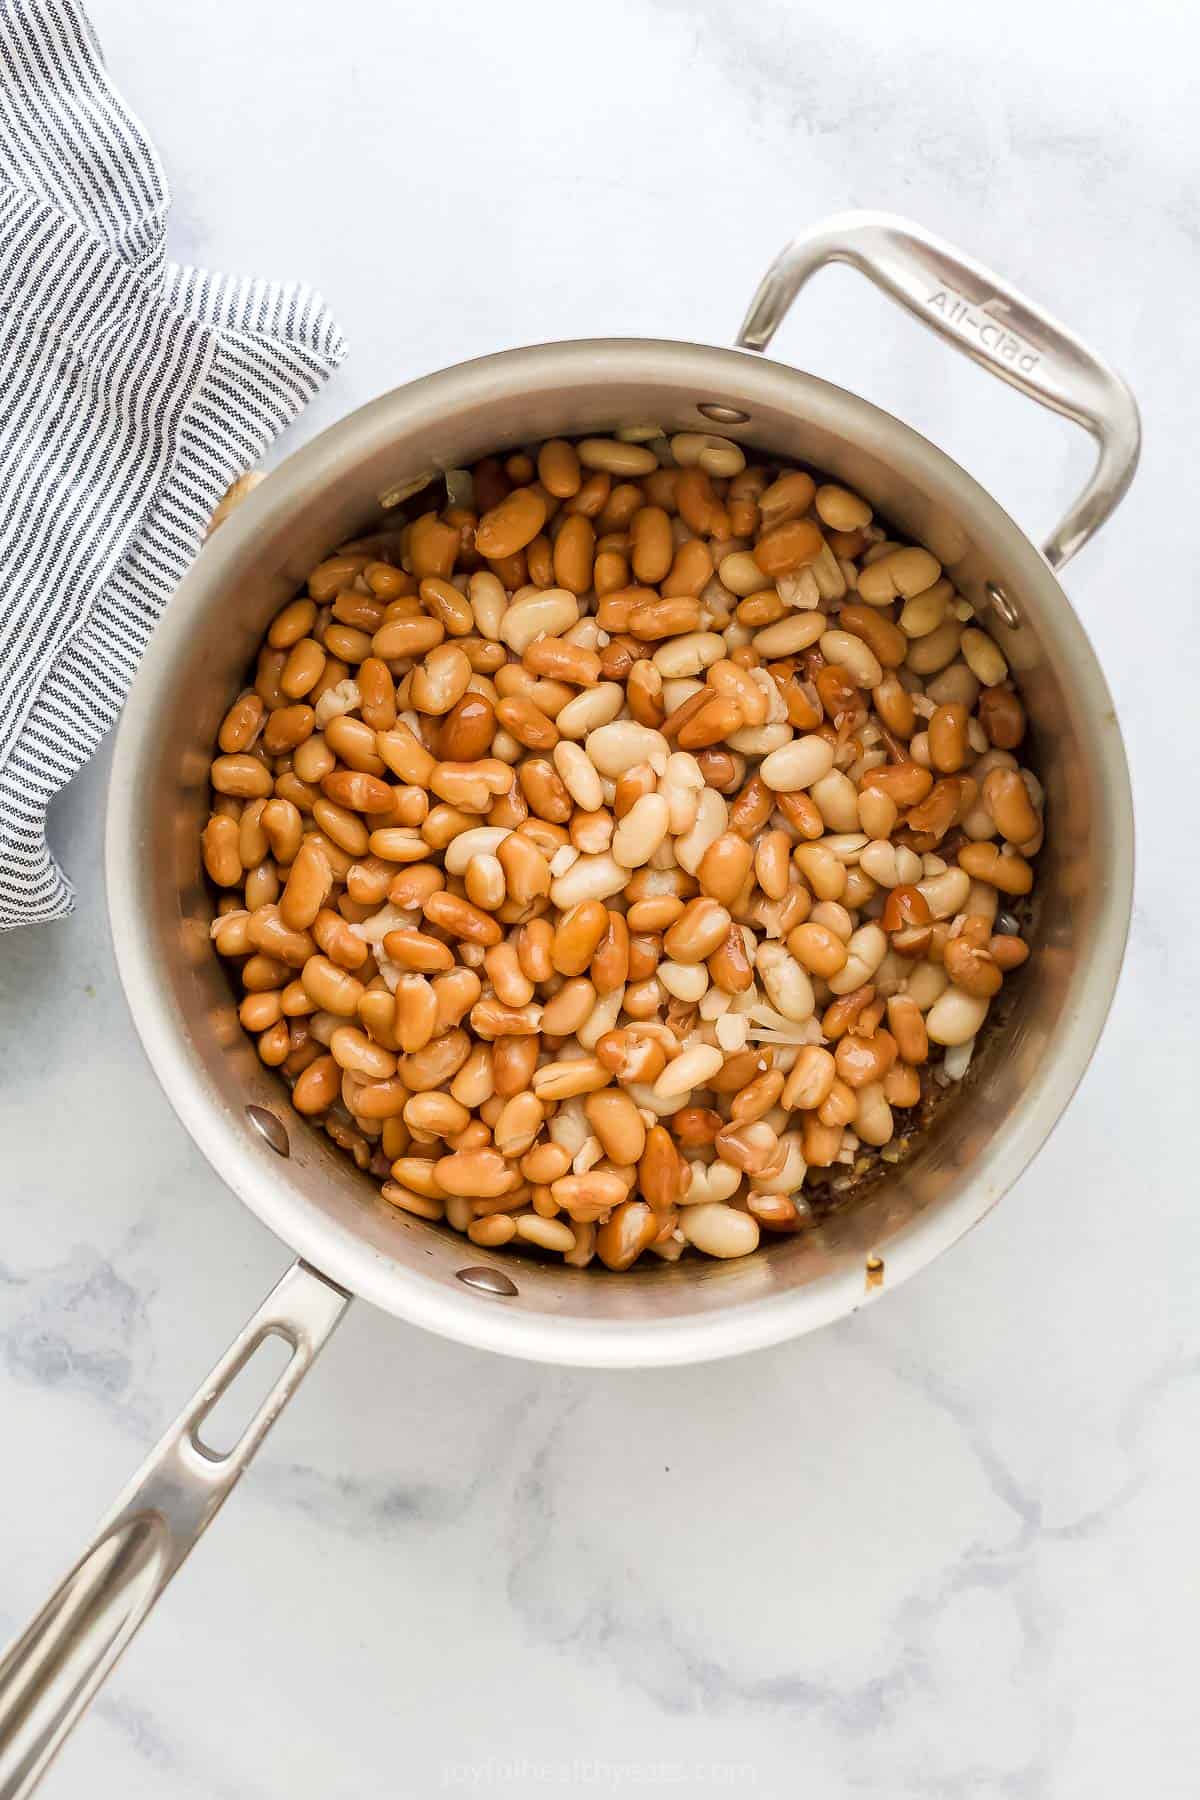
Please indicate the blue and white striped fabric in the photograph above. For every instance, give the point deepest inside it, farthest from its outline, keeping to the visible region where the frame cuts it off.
(132, 393)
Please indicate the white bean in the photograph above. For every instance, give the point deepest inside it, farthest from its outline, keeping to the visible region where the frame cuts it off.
(718, 456)
(506, 748)
(684, 771)
(687, 655)
(590, 710)
(617, 747)
(983, 657)
(891, 865)
(788, 986)
(602, 1018)
(847, 846)
(790, 1178)
(712, 816)
(741, 574)
(992, 759)
(759, 740)
(569, 1126)
(946, 893)
(925, 611)
(691, 1068)
(550, 1234)
(926, 984)
(719, 1230)
(776, 707)
(787, 637)
(979, 824)
(686, 981)
(873, 1120)
(834, 917)
(984, 899)
(547, 613)
(711, 1181)
(850, 653)
(797, 764)
(481, 840)
(954, 686)
(488, 602)
(927, 655)
(864, 953)
(837, 799)
(647, 1100)
(679, 688)
(827, 572)
(641, 831)
(903, 571)
(957, 1060)
(589, 878)
(579, 777)
(955, 1016)
(799, 589)
(891, 975)
(683, 804)
(628, 461)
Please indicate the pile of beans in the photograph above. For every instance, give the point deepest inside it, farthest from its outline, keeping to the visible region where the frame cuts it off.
(607, 848)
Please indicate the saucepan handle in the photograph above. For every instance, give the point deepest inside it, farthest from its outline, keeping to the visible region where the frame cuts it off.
(51, 1672)
(991, 323)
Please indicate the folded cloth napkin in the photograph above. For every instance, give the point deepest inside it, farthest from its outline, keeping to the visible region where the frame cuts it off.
(132, 392)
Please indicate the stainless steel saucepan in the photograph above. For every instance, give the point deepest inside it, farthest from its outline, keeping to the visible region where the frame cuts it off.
(347, 1239)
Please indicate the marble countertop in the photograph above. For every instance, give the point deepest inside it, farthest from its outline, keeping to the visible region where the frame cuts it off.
(943, 1549)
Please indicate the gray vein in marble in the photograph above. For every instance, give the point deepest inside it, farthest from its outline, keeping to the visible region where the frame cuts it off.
(648, 1654)
(682, 1680)
(79, 1332)
(202, 1764)
(935, 1387)
(1133, 1428)
(380, 1505)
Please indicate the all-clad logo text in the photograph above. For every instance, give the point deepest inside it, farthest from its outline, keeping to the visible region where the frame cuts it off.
(978, 322)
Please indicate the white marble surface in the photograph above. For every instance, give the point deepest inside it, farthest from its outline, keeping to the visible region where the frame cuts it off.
(945, 1549)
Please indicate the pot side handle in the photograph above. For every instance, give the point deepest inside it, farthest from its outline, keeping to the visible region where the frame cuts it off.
(51, 1672)
(991, 323)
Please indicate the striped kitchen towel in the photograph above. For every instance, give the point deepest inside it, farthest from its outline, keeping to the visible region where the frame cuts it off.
(132, 392)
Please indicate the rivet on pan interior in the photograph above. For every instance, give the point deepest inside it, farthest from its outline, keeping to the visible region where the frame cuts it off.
(1002, 606)
(269, 1127)
(490, 1281)
(723, 415)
